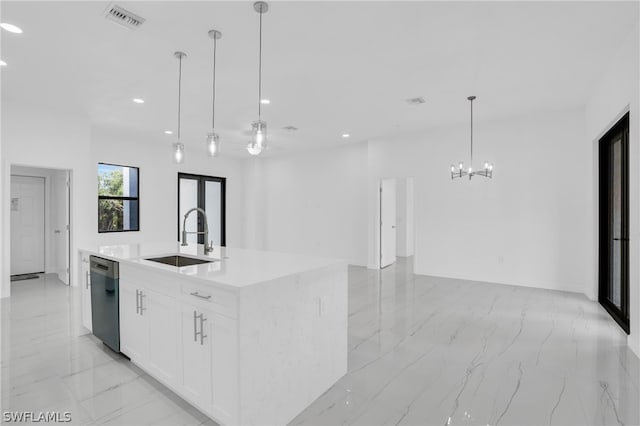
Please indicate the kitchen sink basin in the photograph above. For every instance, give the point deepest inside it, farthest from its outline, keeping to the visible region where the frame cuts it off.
(179, 261)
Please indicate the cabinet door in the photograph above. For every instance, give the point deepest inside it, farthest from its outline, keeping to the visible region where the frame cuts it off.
(134, 339)
(196, 355)
(85, 283)
(163, 319)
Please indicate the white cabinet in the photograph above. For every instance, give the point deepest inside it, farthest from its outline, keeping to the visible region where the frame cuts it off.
(149, 330)
(163, 319)
(210, 361)
(133, 324)
(196, 354)
(85, 285)
(182, 335)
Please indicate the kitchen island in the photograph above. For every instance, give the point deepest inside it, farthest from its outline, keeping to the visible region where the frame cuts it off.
(249, 337)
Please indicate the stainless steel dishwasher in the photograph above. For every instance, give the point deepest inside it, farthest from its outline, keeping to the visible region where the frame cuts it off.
(105, 307)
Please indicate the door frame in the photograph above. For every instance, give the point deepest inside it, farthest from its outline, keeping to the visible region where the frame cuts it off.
(621, 316)
(201, 202)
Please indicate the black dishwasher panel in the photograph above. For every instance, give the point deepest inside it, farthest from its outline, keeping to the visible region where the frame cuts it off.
(105, 308)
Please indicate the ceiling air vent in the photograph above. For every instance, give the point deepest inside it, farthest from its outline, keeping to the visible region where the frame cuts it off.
(416, 101)
(123, 17)
(290, 128)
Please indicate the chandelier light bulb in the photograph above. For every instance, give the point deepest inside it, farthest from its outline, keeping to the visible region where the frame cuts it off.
(178, 153)
(213, 144)
(253, 148)
(460, 165)
(453, 169)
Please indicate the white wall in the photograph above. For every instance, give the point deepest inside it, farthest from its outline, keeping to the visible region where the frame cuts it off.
(50, 139)
(159, 184)
(404, 217)
(312, 203)
(616, 93)
(52, 209)
(527, 226)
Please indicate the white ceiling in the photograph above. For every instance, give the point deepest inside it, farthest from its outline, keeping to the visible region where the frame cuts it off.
(328, 67)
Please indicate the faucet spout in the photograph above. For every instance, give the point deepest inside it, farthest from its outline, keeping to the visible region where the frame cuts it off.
(207, 247)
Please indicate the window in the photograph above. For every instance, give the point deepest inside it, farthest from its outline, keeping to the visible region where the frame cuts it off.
(118, 203)
(208, 193)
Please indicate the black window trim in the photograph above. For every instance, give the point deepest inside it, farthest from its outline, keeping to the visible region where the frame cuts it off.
(223, 206)
(111, 197)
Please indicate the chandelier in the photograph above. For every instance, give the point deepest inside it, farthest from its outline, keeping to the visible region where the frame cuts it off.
(461, 171)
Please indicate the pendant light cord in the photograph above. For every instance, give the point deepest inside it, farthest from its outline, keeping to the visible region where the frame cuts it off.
(179, 92)
(213, 97)
(471, 163)
(260, 69)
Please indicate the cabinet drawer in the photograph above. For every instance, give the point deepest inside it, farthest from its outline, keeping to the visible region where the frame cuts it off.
(159, 281)
(211, 298)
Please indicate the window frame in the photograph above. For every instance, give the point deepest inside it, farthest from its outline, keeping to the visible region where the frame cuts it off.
(112, 197)
(202, 179)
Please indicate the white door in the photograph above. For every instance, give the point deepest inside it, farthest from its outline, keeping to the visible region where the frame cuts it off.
(60, 223)
(27, 224)
(387, 222)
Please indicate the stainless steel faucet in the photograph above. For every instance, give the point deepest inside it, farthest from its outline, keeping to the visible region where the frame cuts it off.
(208, 246)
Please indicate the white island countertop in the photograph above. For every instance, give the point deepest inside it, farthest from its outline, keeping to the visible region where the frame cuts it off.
(233, 267)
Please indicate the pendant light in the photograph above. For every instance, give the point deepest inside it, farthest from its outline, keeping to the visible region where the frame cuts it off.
(213, 139)
(460, 171)
(178, 147)
(259, 128)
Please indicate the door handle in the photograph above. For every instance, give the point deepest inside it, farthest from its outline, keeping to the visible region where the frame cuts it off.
(620, 239)
(137, 301)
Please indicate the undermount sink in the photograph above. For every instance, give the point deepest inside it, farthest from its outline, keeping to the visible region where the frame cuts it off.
(179, 261)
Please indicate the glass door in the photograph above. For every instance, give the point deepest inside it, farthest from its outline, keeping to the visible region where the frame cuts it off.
(207, 193)
(614, 222)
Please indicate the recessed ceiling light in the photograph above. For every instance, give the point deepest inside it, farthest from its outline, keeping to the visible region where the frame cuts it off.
(346, 135)
(138, 100)
(11, 28)
(265, 101)
(3, 64)
(168, 132)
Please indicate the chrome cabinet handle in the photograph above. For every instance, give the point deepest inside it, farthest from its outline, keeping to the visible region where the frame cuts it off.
(196, 294)
(202, 335)
(195, 326)
(202, 319)
(137, 301)
(142, 308)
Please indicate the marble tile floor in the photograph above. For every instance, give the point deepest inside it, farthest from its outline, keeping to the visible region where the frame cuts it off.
(434, 351)
(423, 350)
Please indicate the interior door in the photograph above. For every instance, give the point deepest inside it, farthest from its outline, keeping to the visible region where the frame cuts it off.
(27, 224)
(387, 222)
(60, 223)
(614, 223)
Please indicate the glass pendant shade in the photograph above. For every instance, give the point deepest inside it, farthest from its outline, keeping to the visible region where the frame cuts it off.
(178, 153)
(259, 133)
(213, 144)
(253, 148)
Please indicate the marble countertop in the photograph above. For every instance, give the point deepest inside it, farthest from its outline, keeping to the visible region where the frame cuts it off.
(232, 267)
